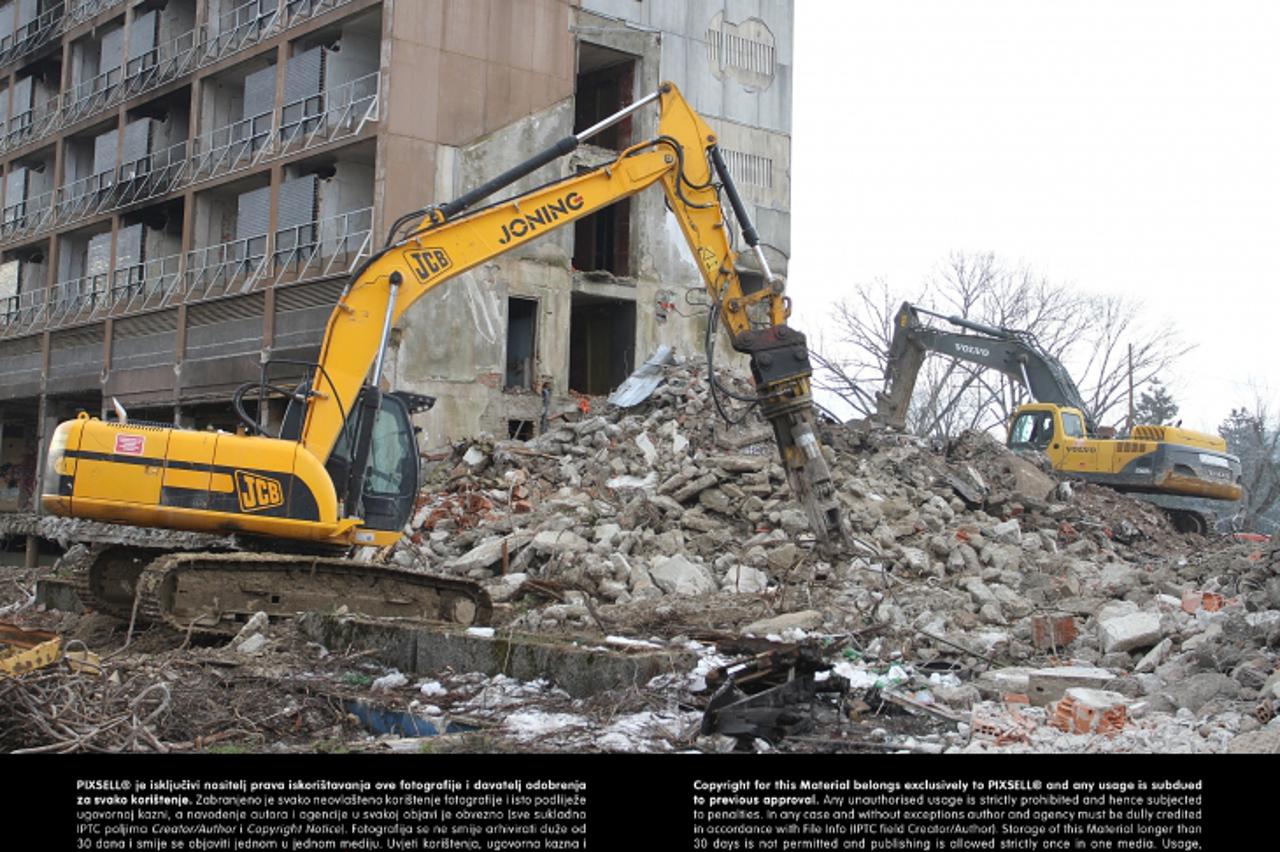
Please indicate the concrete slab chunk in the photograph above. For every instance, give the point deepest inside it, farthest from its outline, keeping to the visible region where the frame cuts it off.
(807, 619)
(1045, 686)
(1139, 630)
(579, 670)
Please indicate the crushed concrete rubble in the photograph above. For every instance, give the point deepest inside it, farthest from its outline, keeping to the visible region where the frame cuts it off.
(985, 606)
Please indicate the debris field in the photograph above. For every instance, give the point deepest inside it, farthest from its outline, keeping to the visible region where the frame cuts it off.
(980, 605)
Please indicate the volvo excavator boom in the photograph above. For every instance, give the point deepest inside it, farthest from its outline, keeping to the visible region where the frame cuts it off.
(343, 468)
(1009, 351)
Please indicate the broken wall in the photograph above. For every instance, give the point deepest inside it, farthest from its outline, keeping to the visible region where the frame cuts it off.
(453, 344)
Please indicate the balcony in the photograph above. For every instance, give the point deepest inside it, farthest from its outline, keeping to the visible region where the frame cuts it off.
(322, 249)
(234, 31)
(27, 217)
(341, 113)
(76, 301)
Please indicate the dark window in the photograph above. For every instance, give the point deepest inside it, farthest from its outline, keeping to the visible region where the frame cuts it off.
(602, 343)
(602, 241)
(522, 327)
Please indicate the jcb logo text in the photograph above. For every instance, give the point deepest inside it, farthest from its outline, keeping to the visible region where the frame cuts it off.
(428, 262)
(258, 492)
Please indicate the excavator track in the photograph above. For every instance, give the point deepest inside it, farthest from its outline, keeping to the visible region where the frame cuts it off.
(215, 593)
(106, 578)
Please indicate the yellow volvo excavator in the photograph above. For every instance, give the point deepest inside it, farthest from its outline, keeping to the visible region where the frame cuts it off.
(1188, 474)
(343, 470)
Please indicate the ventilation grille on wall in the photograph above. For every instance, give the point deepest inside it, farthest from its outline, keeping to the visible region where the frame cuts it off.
(105, 149)
(743, 52)
(749, 168)
(226, 310)
(130, 248)
(111, 55)
(98, 257)
(321, 295)
(23, 91)
(142, 38)
(6, 24)
(730, 49)
(253, 213)
(147, 324)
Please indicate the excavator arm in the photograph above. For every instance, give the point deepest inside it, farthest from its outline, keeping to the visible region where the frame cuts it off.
(1011, 352)
(450, 239)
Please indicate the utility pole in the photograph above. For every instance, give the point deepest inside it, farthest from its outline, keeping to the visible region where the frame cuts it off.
(1129, 431)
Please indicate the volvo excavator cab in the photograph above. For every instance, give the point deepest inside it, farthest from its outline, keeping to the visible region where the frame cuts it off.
(1032, 429)
(1037, 429)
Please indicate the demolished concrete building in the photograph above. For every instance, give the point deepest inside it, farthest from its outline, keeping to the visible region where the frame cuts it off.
(187, 187)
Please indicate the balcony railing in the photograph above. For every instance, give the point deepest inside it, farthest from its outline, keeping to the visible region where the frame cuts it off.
(333, 114)
(162, 64)
(23, 313)
(145, 286)
(93, 95)
(236, 146)
(233, 31)
(75, 301)
(23, 218)
(32, 123)
(158, 174)
(340, 113)
(322, 249)
(86, 197)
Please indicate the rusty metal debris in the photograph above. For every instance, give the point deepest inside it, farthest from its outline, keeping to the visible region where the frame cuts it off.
(770, 695)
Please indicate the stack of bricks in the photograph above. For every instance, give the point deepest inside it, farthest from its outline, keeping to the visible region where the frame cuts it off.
(1090, 711)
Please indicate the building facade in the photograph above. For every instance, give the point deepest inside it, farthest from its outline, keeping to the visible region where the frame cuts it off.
(185, 186)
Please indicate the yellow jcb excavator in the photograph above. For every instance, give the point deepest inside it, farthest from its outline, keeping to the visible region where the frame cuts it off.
(1188, 474)
(343, 470)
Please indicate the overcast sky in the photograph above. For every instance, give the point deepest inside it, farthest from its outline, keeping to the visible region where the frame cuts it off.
(1111, 146)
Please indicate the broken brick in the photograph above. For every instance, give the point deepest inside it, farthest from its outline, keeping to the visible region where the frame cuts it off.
(1053, 631)
(1090, 711)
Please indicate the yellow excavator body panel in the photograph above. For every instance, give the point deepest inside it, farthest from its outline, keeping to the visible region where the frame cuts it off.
(212, 482)
(1160, 459)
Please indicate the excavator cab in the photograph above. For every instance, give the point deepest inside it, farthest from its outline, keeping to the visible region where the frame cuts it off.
(392, 469)
(392, 473)
(1032, 429)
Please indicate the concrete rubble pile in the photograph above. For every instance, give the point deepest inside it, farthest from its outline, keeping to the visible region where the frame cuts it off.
(1009, 610)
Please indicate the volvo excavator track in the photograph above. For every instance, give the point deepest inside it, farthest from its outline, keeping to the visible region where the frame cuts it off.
(215, 593)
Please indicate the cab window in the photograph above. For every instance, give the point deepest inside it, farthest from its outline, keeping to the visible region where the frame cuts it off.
(1033, 429)
(1072, 425)
(1021, 431)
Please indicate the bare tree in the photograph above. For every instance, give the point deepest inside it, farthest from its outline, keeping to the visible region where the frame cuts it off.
(1253, 434)
(1089, 334)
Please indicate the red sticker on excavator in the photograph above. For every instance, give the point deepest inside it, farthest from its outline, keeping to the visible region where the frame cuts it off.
(129, 445)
